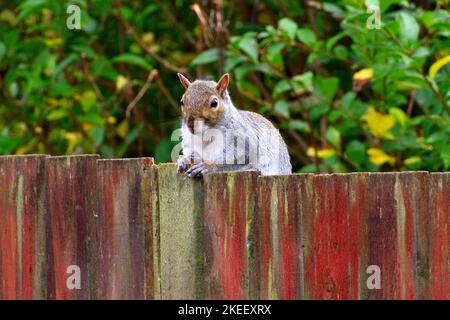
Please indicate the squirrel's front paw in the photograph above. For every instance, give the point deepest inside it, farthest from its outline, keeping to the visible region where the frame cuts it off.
(198, 170)
(183, 163)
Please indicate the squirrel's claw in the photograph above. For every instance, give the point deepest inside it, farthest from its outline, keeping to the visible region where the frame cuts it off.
(183, 164)
(197, 170)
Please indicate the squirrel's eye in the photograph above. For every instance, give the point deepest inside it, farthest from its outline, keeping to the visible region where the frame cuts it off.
(214, 103)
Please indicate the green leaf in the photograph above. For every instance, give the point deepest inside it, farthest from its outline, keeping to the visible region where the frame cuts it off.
(408, 28)
(356, 151)
(249, 46)
(298, 125)
(2, 50)
(445, 155)
(288, 26)
(57, 114)
(303, 82)
(92, 118)
(233, 61)
(97, 135)
(326, 87)
(282, 108)
(208, 56)
(281, 87)
(273, 53)
(334, 136)
(306, 36)
(132, 59)
(318, 111)
(88, 100)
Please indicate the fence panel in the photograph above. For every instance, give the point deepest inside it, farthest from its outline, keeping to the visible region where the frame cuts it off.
(128, 229)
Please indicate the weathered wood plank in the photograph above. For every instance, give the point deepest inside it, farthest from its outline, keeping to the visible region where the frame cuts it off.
(336, 219)
(358, 235)
(71, 202)
(181, 203)
(324, 207)
(285, 248)
(22, 228)
(413, 222)
(383, 234)
(123, 245)
(439, 249)
(230, 235)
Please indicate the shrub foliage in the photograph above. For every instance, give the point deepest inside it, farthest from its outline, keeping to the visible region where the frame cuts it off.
(353, 85)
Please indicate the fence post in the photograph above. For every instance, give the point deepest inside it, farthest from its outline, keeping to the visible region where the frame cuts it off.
(22, 227)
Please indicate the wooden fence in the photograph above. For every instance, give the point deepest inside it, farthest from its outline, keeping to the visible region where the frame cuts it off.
(140, 231)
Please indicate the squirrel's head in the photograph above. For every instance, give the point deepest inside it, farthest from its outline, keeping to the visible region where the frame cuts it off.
(203, 100)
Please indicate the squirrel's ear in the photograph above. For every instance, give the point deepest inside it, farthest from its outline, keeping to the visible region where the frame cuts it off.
(184, 81)
(222, 85)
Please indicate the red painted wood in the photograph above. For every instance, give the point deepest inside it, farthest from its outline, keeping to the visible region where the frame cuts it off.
(71, 207)
(357, 235)
(285, 204)
(230, 198)
(383, 233)
(124, 218)
(325, 282)
(265, 236)
(412, 204)
(21, 230)
(439, 244)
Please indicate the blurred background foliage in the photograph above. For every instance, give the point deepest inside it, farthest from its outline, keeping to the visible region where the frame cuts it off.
(346, 96)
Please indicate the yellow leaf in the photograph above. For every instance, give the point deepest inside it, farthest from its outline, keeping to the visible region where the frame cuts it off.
(321, 153)
(148, 38)
(399, 115)
(73, 139)
(54, 42)
(87, 126)
(435, 67)
(122, 129)
(378, 123)
(363, 74)
(379, 157)
(7, 16)
(111, 120)
(121, 82)
(412, 160)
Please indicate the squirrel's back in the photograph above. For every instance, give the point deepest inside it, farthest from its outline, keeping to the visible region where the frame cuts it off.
(271, 145)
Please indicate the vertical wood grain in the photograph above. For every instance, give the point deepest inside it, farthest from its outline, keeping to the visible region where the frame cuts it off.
(71, 203)
(125, 209)
(439, 244)
(22, 231)
(181, 203)
(230, 235)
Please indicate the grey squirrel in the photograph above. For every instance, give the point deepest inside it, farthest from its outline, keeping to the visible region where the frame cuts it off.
(216, 136)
